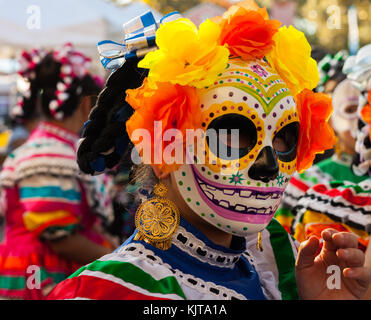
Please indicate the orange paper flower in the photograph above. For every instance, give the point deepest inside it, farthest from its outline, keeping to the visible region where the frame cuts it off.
(316, 135)
(247, 31)
(174, 106)
(366, 112)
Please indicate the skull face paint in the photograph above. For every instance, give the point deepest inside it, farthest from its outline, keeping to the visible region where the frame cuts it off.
(345, 102)
(241, 195)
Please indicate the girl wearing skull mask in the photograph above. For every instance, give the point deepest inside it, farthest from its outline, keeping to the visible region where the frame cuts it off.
(211, 78)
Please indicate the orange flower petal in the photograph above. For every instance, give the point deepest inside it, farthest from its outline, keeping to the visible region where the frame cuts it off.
(366, 111)
(316, 135)
(247, 31)
(177, 107)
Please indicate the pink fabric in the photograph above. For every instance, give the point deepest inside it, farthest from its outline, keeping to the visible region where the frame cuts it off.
(21, 247)
(37, 133)
(50, 155)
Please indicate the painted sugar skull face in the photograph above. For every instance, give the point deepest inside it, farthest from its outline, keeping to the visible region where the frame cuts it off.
(240, 191)
(345, 102)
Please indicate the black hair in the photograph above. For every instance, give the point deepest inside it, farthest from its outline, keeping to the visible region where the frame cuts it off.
(105, 140)
(43, 87)
(331, 69)
(318, 53)
(337, 74)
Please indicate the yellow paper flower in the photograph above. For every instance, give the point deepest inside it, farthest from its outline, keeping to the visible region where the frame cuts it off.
(291, 58)
(187, 56)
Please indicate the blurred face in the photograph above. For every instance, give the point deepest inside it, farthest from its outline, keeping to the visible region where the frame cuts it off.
(239, 191)
(345, 118)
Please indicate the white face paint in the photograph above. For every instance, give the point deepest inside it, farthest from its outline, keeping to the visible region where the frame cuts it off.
(241, 195)
(345, 101)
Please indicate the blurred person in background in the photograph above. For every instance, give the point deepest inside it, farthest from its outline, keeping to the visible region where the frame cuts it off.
(331, 71)
(331, 74)
(54, 214)
(19, 131)
(344, 122)
(345, 204)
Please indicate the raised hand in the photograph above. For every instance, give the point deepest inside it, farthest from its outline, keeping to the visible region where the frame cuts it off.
(339, 249)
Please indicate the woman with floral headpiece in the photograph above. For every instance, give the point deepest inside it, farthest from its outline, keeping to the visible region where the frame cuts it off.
(53, 212)
(221, 130)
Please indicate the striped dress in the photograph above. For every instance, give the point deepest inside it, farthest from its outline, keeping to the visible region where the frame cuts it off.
(336, 168)
(343, 206)
(193, 268)
(45, 199)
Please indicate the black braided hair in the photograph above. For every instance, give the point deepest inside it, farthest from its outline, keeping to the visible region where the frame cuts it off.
(43, 88)
(105, 140)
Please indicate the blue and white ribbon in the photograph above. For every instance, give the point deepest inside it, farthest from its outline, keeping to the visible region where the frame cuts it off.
(139, 39)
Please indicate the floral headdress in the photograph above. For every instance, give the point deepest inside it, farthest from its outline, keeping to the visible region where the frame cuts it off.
(74, 64)
(27, 65)
(186, 59)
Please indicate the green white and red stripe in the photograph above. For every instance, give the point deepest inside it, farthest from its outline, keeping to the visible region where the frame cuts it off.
(116, 279)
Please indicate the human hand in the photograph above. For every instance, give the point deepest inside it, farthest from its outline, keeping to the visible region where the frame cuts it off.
(339, 249)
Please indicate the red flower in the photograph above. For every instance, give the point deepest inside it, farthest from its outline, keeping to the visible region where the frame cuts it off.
(316, 135)
(247, 31)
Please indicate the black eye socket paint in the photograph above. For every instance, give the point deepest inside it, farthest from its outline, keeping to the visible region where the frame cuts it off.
(291, 131)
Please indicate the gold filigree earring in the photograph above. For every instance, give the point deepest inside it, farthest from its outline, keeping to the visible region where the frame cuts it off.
(157, 219)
